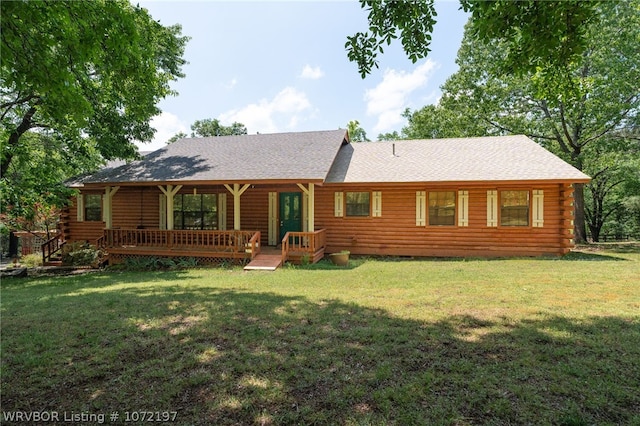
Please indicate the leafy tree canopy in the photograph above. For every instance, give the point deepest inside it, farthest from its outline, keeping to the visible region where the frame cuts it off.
(84, 71)
(356, 132)
(534, 33)
(210, 127)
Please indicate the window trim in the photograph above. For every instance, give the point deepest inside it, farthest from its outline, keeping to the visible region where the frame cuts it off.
(86, 207)
(179, 224)
(346, 202)
(529, 208)
(455, 209)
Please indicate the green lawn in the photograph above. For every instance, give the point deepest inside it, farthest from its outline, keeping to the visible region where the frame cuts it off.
(455, 342)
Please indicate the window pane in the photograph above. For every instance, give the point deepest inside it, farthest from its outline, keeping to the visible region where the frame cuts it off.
(209, 202)
(199, 211)
(209, 211)
(177, 202)
(177, 220)
(191, 203)
(442, 208)
(514, 208)
(357, 203)
(93, 207)
(192, 220)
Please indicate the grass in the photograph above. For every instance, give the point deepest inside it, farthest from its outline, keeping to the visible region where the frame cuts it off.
(452, 342)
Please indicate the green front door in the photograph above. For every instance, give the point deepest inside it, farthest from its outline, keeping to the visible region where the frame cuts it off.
(290, 212)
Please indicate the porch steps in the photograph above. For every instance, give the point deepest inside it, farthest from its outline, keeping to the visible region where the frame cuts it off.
(264, 262)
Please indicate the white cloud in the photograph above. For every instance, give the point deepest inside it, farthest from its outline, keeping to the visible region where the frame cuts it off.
(268, 116)
(311, 73)
(166, 125)
(390, 97)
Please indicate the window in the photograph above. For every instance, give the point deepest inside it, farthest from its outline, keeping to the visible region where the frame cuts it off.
(358, 203)
(514, 208)
(442, 208)
(198, 211)
(93, 207)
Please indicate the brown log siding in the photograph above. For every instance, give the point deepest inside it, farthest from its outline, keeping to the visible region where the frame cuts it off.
(394, 233)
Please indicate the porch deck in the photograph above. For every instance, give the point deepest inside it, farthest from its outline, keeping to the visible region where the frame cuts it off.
(211, 246)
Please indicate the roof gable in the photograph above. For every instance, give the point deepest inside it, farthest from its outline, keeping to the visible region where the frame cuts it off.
(495, 158)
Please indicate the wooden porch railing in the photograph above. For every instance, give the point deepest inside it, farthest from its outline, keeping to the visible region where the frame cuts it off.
(51, 247)
(213, 241)
(301, 244)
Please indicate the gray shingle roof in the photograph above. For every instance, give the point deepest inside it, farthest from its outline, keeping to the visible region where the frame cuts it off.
(499, 158)
(301, 156)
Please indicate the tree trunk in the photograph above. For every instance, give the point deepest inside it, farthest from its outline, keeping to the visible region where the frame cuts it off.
(14, 139)
(579, 223)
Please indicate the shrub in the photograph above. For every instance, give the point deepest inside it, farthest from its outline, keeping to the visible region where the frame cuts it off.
(80, 254)
(31, 260)
(150, 263)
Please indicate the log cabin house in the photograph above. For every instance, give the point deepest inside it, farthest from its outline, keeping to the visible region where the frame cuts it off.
(311, 193)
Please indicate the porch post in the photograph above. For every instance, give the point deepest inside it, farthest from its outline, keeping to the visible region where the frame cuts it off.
(311, 208)
(236, 192)
(170, 192)
(310, 193)
(107, 214)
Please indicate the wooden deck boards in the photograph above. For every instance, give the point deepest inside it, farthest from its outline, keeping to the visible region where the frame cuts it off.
(264, 262)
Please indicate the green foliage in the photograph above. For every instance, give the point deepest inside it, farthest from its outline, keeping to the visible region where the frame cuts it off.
(412, 21)
(32, 260)
(81, 254)
(211, 127)
(534, 34)
(177, 137)
(32, 188)
(154, 263)
(87, 72)
(390, 136)
(356, 133)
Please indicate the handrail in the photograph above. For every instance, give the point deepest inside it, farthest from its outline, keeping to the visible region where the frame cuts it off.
(254, 244)
(303, 242)
(51, 247)
(234, 241)
(101, 242)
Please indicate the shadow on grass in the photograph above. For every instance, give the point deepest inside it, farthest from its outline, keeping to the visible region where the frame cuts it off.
(231, 357)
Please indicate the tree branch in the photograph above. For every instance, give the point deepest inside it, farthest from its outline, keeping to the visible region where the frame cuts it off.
(14, 138)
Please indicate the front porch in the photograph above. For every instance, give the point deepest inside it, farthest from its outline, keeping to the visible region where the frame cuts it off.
(208, 246)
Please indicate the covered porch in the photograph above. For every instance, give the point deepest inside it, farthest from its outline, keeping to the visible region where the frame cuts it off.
(279, 217)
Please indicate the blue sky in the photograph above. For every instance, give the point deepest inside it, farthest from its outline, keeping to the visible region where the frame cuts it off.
(282, 67)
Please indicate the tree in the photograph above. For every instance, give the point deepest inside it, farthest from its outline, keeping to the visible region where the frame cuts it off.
(177, 137)
(32, 189)
(390, 136)
(356, 133)
(534, 33)
(84, 71)
(586, 111)
(212, 127)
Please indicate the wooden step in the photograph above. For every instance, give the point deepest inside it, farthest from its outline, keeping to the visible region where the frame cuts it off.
(264, 262)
